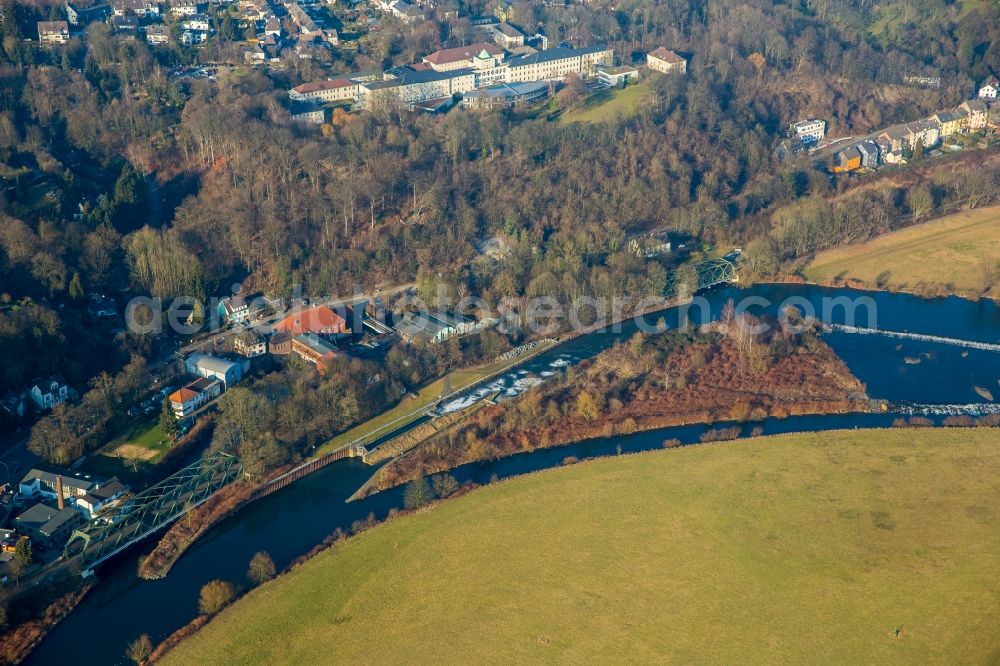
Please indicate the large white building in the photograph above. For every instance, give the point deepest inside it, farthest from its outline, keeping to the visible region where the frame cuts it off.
(456, 71)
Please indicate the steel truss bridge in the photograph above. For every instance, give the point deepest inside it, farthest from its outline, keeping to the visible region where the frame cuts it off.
(710, 273)
(151, 509)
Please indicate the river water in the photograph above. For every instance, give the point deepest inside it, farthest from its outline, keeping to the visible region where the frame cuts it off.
(290, 522)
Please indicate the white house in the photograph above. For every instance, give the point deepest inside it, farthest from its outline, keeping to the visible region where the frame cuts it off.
(50, 392)
(811, 130)
(989, 88)
(187, 400)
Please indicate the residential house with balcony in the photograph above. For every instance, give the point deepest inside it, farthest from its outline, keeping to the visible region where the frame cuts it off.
(187, 400)
(53, 33)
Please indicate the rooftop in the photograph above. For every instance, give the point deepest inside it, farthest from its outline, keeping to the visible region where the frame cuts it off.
(210, 363)
(459, 53)
(319, 319)
(558, 53)
(317, 86)
(70, 479)
(46, 519)
(666, 55)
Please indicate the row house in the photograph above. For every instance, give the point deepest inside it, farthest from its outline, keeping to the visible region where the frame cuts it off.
(950, 122)
(976, 114)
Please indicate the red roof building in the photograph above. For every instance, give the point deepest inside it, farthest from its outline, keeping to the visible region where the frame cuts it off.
(320, 320)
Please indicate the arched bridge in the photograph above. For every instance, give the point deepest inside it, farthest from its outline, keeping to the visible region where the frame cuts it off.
(151, 509)
(710, 273)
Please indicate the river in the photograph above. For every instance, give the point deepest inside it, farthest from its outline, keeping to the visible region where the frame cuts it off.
(290, 522)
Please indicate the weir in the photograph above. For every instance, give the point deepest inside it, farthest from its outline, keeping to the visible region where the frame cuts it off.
(904, 335)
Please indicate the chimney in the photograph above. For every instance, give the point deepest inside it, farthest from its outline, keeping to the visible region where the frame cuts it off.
(59, 493)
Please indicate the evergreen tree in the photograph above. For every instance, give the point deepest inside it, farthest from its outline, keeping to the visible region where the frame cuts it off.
(76, 287)
(168, 420)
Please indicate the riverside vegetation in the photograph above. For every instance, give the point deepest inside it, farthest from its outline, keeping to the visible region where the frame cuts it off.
(721, 372)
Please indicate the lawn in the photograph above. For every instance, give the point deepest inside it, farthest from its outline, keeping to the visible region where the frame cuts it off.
(144, 444)
(608, 104)
(948, 251)
(409, 409)
(807, 548)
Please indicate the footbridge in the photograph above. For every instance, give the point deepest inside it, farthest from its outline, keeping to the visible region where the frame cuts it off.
(711, 272)
(150, 510)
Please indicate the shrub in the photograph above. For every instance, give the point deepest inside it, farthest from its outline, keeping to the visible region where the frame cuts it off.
(445, 485)
(721, 434)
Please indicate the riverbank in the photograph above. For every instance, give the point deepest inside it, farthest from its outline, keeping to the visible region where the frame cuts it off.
(651, 382)
(183, 533)
(34, 615)
(784, 548)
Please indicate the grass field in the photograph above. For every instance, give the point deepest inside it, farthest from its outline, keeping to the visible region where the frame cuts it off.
(948, 251)
(409, 410)
(802, 548)
(145, 444)
(608, 104)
